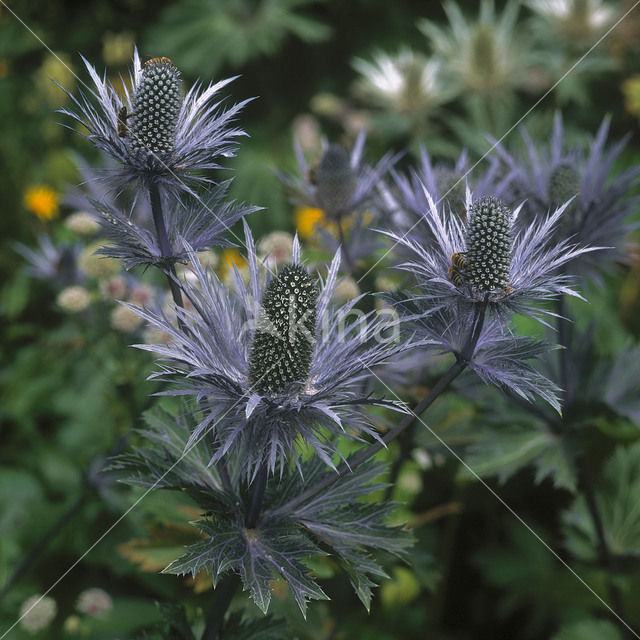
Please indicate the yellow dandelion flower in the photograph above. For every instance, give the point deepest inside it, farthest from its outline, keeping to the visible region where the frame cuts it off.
(42, 201)
(228, 258)
(307, 219)
(4, 68)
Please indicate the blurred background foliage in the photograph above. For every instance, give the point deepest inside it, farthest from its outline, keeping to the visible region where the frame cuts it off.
(412, 73)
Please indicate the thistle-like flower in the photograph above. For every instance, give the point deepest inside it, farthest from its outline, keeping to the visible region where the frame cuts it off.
(273, 365)
(406, 82)
(548, 178)
(155, 134)
(341, 183)
(342, 186)
(485, 55)
(489, 258)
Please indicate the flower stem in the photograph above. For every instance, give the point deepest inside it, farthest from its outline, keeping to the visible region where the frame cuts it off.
(223, 597)
(224, 594)
(165, 244)
(449, 376)
(256, 498)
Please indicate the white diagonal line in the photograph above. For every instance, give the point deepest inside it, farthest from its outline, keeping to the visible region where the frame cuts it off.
(510, 510)
(497, 142)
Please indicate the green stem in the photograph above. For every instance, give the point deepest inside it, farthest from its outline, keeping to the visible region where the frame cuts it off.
(256, 498)
(223, 597)
(449, 376)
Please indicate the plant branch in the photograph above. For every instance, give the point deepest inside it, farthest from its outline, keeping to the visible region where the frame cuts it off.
(348, 466)
(258, 487)
(223, 597)
(165, 244)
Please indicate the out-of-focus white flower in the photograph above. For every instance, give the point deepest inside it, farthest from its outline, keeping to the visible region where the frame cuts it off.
(98, 266)
(406, 82)
(94, 602)
(73, 299)
(141, 295)
(125, 320)
(482, 55)
(82, 223)
(347, 289)
(276, 248)
(113, 288)
(37, 612)
(580, 19)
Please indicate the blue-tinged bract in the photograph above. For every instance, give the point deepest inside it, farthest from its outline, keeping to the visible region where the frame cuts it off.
(196, 129)
(209, 358)
(534, 275)
(547, 177)
(337, 522)
(198, 222)
(344, 188)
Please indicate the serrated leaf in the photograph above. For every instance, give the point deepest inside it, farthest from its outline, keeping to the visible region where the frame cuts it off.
(504, 451)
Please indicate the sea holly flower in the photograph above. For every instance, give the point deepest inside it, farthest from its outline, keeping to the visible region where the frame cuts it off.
(342, 187)
(489, 258)
(156, 135)
(548, 177)
(269, 378)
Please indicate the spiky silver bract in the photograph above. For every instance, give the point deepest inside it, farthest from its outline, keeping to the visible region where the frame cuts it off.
(199, 223)
(534, 276)
(209, 358)
(598, 215)
(203, 131)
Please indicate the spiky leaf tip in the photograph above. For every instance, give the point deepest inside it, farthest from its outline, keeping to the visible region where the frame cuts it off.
(488, 243)
(156, 106)
(335, 180)
(283, 343)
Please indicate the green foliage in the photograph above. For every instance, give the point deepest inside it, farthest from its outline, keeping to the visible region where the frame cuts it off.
(618, 498)
(589, 629)
(503, 451)
(204, 35)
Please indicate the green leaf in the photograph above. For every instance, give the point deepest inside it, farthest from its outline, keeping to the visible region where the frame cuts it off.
(618, 500)
(589, 629)
(504, 451)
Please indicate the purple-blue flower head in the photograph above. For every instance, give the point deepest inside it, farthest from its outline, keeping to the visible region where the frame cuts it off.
(274, 365)
(513, 267)
(157, 135)
(546, 178)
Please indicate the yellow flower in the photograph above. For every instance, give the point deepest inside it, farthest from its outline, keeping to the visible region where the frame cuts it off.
(229, 258)
(307, 219)
(631, 90)
(4, 68)
(43, 201)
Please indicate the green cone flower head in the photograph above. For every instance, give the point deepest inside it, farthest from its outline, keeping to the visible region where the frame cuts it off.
(283, 343)
(488, 241)
(336, 181)
(564, 183)
(156, 106)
